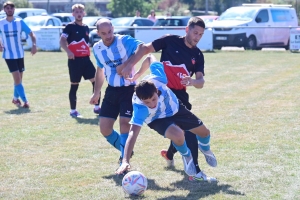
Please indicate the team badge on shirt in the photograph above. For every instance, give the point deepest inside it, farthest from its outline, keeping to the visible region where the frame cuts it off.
(193, 61)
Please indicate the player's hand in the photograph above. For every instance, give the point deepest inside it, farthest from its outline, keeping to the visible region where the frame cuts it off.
(33, 49)
(119, 69)
(186, 80)
(1, 48)
(134, 78)
(126, 71)
(70, 55)
(125, 166)
(94, 99)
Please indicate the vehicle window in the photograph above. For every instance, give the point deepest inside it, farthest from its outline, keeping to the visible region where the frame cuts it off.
(56, 22)
(281, 15)
(66, 19)
(23, 15)
(50, 22)
(262, 16)
(238, 13)
(138, 22)
(147, 23)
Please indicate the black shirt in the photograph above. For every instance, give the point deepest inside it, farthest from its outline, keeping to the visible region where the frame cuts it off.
(174, 50)
(75, 32)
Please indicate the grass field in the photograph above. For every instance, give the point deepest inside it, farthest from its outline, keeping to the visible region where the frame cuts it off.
(250, 102)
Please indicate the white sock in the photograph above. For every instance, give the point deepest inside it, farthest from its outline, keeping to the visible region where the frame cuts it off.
(72, 111)
(97, 107)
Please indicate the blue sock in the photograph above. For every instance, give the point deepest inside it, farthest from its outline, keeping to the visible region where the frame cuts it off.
(123, 137)
(183, 149)
(114, 139)
(16, 95)
(21, 92)
(204, 142)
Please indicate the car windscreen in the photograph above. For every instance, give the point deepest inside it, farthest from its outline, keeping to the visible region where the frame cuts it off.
(238, 13)
(34, 21)
(121, 22)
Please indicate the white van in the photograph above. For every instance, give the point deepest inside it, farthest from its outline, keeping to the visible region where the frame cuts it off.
(254, 26)
(25, 12)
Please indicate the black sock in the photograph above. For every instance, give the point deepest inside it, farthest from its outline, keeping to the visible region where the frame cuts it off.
(72, 95)
(192, 144)
(171, 151)
(93, 83)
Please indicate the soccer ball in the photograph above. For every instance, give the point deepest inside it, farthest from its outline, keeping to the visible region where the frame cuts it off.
(134, 183)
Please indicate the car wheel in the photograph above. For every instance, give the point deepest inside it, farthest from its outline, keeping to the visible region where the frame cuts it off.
(251, 43)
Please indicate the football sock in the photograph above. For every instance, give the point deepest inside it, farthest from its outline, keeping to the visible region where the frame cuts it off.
(183, 149)
(72, 95)
(97, 106)
(123, 139)
(93, 83)
(204, 142)
(114, 139)
(20, 90)
(16, 95)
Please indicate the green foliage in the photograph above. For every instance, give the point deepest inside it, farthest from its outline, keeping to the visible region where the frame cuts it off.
(121, 8)
(91, 10)
(22, 4)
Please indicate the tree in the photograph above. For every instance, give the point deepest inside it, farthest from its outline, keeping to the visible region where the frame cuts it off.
(91, 10)
(124, 8)
(22, 4)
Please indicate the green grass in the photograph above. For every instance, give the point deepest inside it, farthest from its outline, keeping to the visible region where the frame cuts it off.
(250, 102)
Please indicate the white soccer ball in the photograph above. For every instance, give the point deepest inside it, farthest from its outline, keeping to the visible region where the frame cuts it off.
(134, 183)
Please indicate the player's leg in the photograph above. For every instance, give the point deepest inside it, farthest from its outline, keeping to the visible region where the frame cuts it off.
(75, 77)
(168, 129)
(16, 67)
(108, 115)
(126, 109)
(89, 73)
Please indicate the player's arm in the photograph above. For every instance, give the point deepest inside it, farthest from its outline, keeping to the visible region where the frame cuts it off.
(99, 79)
(132, 136)
(33, 39)
(145, 65)
(64, 44)
(199, 81)
(142, 50)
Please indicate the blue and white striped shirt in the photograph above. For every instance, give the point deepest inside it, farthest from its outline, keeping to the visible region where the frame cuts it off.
(11, 37)
(167, 104)
(117, 53)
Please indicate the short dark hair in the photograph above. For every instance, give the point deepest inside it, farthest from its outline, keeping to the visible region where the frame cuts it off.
(195, 21)
(8, 3)
(145, 90)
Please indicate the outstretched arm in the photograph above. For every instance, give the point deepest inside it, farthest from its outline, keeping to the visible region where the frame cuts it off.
(142, 50)
(133, 133)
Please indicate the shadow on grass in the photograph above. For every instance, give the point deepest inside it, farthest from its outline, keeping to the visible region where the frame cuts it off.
(18, 111)
(196, 190)
(90, 121)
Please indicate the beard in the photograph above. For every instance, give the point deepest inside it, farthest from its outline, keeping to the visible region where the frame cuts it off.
(190, 42)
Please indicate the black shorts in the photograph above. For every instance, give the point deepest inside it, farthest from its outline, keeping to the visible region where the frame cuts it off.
(15, 64)
(81, 67)
(183, 118)
(117, 101)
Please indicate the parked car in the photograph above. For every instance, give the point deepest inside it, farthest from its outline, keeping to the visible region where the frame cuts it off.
(65, 18)
(122, 27)
(37, 21)
(171, 21)
(26, 12)
(254, 26)
(91, 21)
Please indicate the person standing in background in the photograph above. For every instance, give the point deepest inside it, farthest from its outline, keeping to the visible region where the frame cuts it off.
(137, 13)
(13, 52)
(152, 16)
(74, 40)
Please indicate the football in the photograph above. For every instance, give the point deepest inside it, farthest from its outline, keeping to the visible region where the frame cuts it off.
(134, 183)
